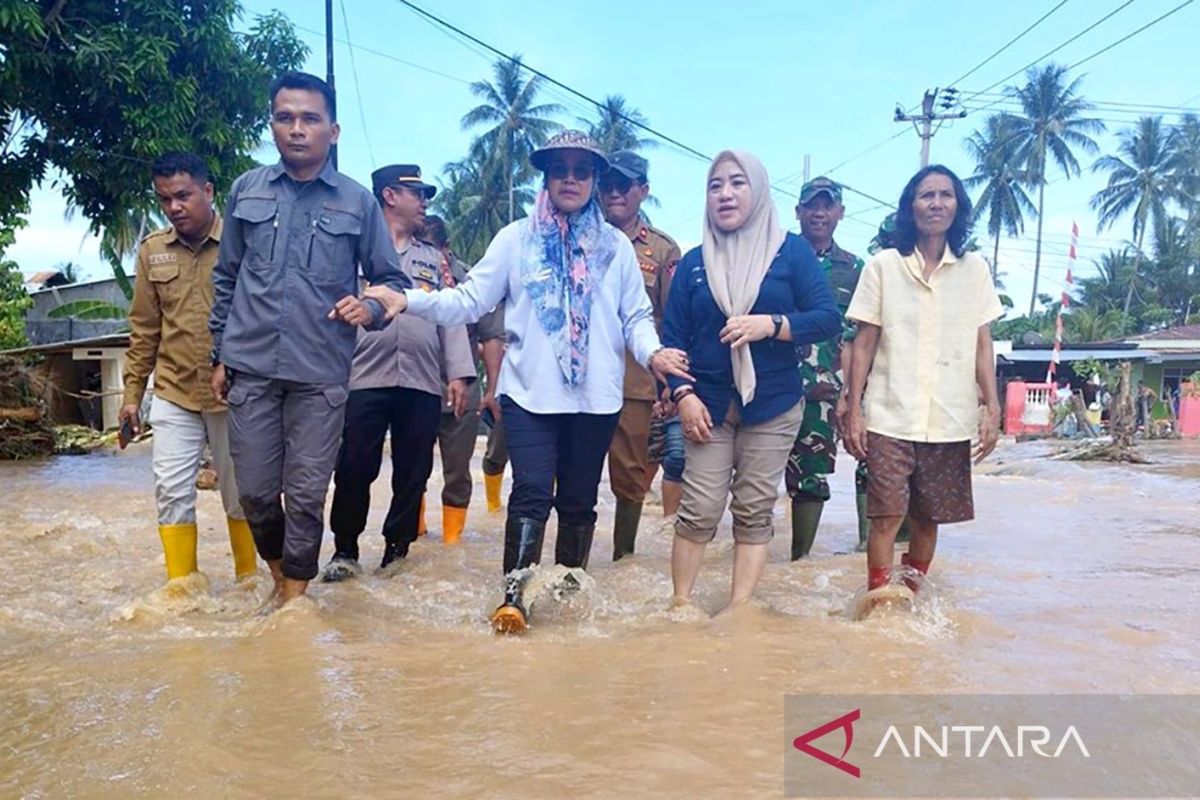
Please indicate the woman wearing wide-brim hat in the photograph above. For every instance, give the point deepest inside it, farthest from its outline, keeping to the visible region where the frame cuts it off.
(575, 301)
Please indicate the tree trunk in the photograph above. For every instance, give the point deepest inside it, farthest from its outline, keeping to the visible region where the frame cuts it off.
(1122, 419)
(1037, 257)
(509, 160)
(1137, 264)
(996, 259)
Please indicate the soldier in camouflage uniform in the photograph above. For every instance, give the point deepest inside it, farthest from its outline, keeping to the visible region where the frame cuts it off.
(815, 451)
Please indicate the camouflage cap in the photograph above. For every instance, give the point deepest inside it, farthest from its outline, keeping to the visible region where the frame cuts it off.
(817, 186)
(884, 236)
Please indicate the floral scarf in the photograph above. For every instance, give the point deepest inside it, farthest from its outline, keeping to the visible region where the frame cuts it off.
(563, 260)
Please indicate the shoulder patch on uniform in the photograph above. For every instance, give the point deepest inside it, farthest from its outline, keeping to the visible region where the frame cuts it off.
(155, 234)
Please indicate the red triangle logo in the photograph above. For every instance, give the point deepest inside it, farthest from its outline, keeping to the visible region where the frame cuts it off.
(846, 723)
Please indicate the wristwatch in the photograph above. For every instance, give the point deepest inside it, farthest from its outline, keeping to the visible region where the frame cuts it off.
(214, 358)
(778, 320)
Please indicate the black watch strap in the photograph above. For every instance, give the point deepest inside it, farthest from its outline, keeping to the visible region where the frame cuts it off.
(778, 320)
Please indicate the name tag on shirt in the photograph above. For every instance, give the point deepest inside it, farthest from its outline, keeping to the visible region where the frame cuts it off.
(162, 258)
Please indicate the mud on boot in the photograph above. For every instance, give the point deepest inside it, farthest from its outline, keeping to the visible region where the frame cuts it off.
(342, 567)
(522, 549)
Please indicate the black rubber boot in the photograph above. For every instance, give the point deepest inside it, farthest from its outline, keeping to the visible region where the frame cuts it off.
(522, 548)
(625, 528)
(574, 544)
(806, 517)
(864, 523)
(394, 551)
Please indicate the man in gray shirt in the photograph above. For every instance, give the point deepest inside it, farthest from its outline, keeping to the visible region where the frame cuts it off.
(396, 386)
(285, 311)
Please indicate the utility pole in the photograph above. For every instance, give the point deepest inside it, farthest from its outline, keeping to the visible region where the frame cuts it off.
(930, 115)
(329, 70)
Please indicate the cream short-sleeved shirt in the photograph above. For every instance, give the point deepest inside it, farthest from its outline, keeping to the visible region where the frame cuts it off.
(922, 385)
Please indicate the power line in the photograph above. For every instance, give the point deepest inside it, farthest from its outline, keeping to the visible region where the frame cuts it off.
(387, 56)
(1046, 55)
(1126, 38)
(1112, 105)
(362, 114)
(438, 20)
(1010, 43)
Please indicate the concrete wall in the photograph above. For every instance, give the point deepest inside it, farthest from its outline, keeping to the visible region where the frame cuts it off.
(46, 300)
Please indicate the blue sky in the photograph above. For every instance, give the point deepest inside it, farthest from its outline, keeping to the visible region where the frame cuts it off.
(778, 79)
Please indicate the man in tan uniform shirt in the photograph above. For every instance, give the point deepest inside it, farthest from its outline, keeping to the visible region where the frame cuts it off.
(172, 298)
(622, 190)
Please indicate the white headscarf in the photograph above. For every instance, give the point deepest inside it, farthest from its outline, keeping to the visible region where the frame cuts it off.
(736, 262)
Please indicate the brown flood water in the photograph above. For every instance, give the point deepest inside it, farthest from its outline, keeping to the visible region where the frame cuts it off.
(1079, 578)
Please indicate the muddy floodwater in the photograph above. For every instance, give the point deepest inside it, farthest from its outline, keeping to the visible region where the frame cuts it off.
(1075, 578)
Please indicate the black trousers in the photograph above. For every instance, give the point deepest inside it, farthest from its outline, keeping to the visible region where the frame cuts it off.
(412, 418)
(545, 448)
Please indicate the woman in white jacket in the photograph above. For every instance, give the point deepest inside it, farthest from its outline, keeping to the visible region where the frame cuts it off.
(575, 300)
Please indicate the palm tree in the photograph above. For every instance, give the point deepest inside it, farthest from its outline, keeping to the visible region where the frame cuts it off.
(616, 126)
(1051, 124)
(473, 199)
(1090, 325)
(1140, 182)
(1104, 291)
(1003, 199)
(519, 125)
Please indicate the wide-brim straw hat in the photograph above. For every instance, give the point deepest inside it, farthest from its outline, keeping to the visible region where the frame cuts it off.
(569, 140)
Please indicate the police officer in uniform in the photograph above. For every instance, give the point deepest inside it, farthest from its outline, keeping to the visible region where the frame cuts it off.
(622, 190)
(396, 385)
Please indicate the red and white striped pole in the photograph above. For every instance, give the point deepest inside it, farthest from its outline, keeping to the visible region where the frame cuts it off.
(1056, 358)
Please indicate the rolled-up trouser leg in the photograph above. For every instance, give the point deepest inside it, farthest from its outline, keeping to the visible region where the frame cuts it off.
(414, 431)
(456, 443)
(256, 444)
(368, 414)
(312, 424)
(760, 454)
(495, 457)
(179, 437)
(706, 482)
(629, 468)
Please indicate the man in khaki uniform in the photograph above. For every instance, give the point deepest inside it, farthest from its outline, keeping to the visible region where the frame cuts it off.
(172, 298)
(622, 190)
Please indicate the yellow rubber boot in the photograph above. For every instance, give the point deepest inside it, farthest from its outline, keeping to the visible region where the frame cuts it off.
(179, 549)
(421, 518)
(453, 522)
(241, 541)
(491, 485)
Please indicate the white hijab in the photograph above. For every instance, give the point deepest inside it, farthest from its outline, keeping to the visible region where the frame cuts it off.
(736, 262)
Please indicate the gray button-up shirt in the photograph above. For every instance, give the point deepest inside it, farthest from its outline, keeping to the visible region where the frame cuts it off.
(289, 252)
(490, 326)
(411, 353)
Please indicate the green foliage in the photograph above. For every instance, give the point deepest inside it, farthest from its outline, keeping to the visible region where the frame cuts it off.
(100, 89)
(14, 300)
(88, 310)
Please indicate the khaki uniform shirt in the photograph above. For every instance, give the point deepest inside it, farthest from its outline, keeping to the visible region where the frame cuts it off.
(657, 255)
(168, 320)
(411, 353)
(922, 386)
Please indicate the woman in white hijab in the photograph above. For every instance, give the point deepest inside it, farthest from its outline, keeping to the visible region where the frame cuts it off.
(740, 305)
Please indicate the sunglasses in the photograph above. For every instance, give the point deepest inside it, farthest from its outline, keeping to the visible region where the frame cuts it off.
(582, 172)
(618, 183)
